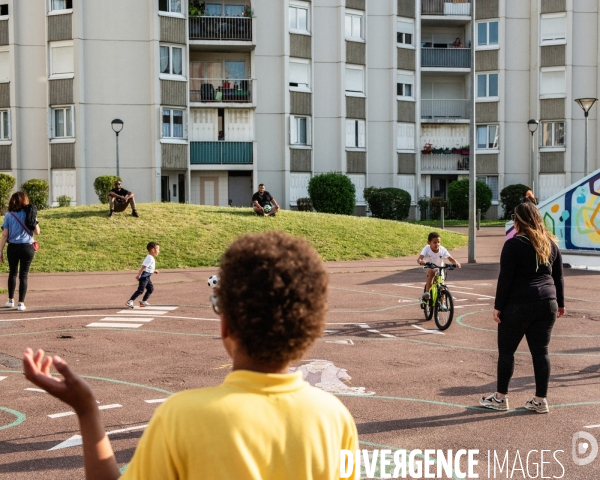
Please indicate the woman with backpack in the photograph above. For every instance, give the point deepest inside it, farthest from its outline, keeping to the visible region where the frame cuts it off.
(18, 229)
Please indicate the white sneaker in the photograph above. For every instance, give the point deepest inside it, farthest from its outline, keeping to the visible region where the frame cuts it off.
(144, 303)
(10, 304)
(21, 307)
(129, 303)
(541, 407)
(493, 403)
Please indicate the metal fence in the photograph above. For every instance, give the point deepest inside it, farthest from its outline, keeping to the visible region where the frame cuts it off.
(443, 163)
(221, 28)
(445, 109)
(202, 153)
(446, 57)
(220, 90)
(444, 7)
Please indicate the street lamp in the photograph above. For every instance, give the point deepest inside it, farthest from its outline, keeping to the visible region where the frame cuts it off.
(532, 125)
(586, 104)
(117, 126)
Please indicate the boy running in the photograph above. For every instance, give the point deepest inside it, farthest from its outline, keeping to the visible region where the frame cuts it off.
(143, 276)
(433, 253)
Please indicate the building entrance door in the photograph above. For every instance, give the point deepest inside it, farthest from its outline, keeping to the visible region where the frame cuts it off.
(165, 193)
(181, 181)
(240, 189)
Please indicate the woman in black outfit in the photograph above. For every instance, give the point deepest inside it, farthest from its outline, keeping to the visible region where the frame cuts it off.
(529, 299)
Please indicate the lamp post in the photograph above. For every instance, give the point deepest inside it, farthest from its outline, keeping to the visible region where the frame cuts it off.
(532, 125)
(117, 126)
(586, 104)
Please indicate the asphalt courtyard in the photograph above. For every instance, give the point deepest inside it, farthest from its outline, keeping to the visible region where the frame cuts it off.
(407, 385)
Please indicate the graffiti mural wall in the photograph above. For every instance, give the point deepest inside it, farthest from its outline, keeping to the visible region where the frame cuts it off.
(574, 215)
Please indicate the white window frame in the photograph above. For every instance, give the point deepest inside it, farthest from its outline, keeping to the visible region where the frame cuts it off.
(554, 147)
(53, 133)
(171, 138)
(8, 137)
(356, 134)
(7, 52)
(562, 94)
(411, 147)
(487, 45)
(355, 14)
(486, 179)
(51, 47)
(487, 97)
(403, 44)
(301, 87)
(295, 124)
(559, 40)
(172, 75)
(354, 93)
(51, 11)
(487, 148)
(169, 13)
(406, 73)
(300, 6)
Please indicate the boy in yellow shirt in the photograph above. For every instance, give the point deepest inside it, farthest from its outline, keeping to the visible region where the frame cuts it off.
(261, 422)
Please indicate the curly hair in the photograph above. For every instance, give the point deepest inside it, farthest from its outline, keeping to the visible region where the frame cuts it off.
(529, 221)
(18, 201)
(273, 293)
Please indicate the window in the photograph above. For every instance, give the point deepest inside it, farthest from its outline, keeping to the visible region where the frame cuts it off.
(298, 17)
(553, 134)
(487, 85)
(553, 82)
(354, 25)
(171, 6)
(405, 84)
(4, 125)
(487, 137)
(355, 79)
(300, 132)
(405, 31)
(299, 74)
(4, 10)
(487, 34)
(355, 134)
(171, 60)
(61, 59)
(219, 10)
(4, 66)
(60, 5)
(553, 28)
(491, 182)
(172, 123)
(405, 138)
(62, 122)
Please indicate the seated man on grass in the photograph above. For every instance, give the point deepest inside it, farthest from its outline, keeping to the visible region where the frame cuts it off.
(119, 198)
(261, 423)
(261, 201)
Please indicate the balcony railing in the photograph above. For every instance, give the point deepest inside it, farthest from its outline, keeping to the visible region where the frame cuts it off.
(221, 28)
(444, 7)
(221, 153)
(446, 57)
(225, 90)
(444, 109)
(443, 163)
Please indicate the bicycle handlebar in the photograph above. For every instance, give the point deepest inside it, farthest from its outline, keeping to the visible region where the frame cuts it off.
(433, 265)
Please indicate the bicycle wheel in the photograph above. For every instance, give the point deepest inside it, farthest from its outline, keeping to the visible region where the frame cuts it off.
(428, 308)
(444, 310)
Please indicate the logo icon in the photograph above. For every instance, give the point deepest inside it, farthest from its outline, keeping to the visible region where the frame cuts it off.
(585, 448)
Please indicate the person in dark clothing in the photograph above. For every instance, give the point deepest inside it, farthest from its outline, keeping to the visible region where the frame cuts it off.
(262, 199)
(119, 198)
(529, 299)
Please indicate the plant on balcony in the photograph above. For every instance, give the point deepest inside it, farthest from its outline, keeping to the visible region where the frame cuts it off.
(447, 151)
(456, 150)
(427, 149)
(248, 12)
(196, 8)
(464, 150)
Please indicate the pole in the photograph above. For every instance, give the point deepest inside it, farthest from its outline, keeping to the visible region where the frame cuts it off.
(472, 144)
(585, 157)
(442, 217)
(532, 166)
(117, 153)
(478, 218)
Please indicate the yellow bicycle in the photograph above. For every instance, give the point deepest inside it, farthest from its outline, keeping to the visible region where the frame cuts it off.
(440, 304)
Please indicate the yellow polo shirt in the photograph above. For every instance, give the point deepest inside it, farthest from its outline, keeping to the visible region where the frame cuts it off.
(254, 426)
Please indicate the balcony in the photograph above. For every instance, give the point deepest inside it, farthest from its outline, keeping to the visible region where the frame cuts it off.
(221, 153)
(445, 7)
(438, 163)
(446, 57)
(230, 33)
(445, 110)
(220, 90)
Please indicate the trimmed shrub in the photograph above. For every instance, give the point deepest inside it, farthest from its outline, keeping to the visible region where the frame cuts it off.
(64, 201)
(304, 205)
(435, 208)
(7, 184)
(37, 190)
(510, 197)
(103, 185)
(423, 204)
(458, 196)
(332, 193)
(388, 203)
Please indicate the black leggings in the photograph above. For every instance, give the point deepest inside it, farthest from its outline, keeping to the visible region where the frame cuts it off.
(144, 284)
(23, 253)
(534, 321)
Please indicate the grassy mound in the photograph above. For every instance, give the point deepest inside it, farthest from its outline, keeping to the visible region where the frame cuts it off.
(83, 239)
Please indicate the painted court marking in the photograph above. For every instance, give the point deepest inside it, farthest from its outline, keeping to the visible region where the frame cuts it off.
(142, 311)
(126, 319)
(156, 400)
(2, 378)
(76, 440)
(592, 426)
(112, 325)
(134, 314)
(435, 332)
(36, 390)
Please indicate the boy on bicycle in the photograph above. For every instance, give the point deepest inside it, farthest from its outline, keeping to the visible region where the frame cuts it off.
(433, 253)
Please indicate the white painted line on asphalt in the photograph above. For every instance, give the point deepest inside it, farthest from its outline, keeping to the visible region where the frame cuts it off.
(407, 286)
(107, 407)
(454, 285)
(126, 319)
(36, 390)
(373, 331)
(142, 311)
(63, 414)
(470, 293)
(387, 335)
(435, 332)
(330, 331)
(363, 325)
(473, 305)
(156, 307)
(76, 440)
(592, 426)
(341, 342)
(2, 378)
(405, 301)
(115, 325)
(156, 400)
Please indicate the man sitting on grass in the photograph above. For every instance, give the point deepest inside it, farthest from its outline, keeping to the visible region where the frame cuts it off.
(119, 198)
(261, 202)
(261, 422)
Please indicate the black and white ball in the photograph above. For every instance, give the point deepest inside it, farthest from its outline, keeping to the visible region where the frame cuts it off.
(213, 280)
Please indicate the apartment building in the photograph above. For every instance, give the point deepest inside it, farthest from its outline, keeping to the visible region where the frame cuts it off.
(220, 95)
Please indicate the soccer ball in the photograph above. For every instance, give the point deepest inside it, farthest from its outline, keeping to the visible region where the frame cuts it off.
(213, 280)
(267, 208)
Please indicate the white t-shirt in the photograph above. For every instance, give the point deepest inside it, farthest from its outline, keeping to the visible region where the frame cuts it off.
(149, 263)
(432, 257)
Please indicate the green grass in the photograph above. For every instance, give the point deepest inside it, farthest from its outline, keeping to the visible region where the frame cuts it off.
(83, 239)
(459, 223)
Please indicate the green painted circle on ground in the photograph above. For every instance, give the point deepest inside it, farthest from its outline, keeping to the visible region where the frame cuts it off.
(20, 418)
